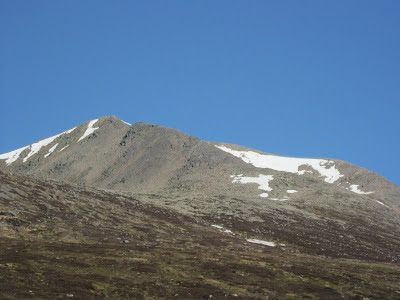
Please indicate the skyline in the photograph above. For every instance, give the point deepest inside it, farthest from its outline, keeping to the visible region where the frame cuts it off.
(295, 79)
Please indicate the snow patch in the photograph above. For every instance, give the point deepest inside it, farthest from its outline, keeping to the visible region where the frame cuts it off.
(217, 226)
(381, 203)
(261, 242)
(12, 156)
(326, 168)
(261, 180)
(354, 188)
(90, 129)
(222, 229)
(291, 191)
(126, 123)
(51, 150)
(63, 148)
(69, 131)
(280, 199)
(34, 148)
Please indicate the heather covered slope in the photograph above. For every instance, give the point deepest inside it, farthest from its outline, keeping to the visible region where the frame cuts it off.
(83, 243)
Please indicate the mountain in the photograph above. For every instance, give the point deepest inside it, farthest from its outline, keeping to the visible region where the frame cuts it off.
(316, 206)
(110, 153)
(62, 241)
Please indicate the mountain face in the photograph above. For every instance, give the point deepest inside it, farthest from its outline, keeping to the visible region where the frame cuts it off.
(110, 153)
(317, 206)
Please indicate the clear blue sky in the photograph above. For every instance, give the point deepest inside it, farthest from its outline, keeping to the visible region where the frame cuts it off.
(301, 78)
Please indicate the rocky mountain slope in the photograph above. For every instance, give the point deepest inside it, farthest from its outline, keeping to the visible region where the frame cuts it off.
(110, 153)
(62, 241)
(316, 206)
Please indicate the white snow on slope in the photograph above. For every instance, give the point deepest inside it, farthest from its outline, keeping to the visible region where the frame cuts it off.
(222, 229)
(280, 199)
(126, 123)
(69, 130)
(326, 168)
(12, 156)
(63, 148)
(261, 180)
(51, 150)
(90, 129)
(217, 226)
(381, 203)
(291, 191)
(354, 188)
(34, 148)
(261, 242)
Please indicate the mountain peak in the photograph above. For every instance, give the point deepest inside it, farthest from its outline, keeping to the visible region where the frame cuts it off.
(137, 125)
(111, 119)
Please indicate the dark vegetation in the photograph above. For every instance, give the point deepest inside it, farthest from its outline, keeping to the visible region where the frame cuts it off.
(59, 241)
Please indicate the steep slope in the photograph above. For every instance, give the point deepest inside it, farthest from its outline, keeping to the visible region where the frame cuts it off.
(319, 206)
(62, 241)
